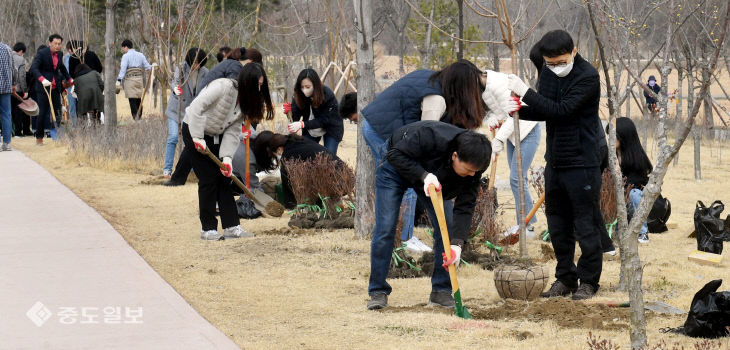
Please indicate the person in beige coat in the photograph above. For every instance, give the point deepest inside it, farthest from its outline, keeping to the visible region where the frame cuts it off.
(214, 121)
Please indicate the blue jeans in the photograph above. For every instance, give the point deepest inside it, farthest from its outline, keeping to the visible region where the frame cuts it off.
(171, 145)
(6, 117)
(634, 199)
(71, 107)
(389, 188)
(330, 143)
(528, 148)
(379, 148)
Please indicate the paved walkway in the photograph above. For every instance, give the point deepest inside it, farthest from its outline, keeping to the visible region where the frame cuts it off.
(68, 280)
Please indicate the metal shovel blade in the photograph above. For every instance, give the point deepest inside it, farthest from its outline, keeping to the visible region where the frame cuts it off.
(658, 306)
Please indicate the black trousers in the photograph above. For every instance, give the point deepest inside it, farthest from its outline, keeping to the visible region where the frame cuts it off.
(572, 210)
(134, 106)
(43, 120)
(21, 121)
(183, 166)
(213, 187)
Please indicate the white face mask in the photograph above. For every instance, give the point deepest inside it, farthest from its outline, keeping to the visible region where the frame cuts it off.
(307, 92)
(562, 70)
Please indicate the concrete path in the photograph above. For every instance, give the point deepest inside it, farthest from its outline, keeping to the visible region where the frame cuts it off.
(68, 280)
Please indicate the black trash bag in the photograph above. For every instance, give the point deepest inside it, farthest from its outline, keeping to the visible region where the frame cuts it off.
(709, 313)
(659, 214)
(246, 208)
(710, 229)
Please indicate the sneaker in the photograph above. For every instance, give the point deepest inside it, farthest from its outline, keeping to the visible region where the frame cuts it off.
(530, 232)
(378, 301)
(411, 245)
(424, 247)
(443, 299)
(236, 232)
(558, 289)
(167, 174)
(211, 235)
(644, 237)
(585, 291)
(5, 147)
(610, 252)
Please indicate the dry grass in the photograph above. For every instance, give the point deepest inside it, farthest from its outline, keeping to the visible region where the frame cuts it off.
(322, 178)
(309, 291)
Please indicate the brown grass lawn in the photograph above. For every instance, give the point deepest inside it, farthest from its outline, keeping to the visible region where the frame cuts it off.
(309, 291)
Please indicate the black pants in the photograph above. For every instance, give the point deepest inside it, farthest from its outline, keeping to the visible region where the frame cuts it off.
(213, 187)
(183, 166)
(43, 120)
(572, 210)
(21, 121)
(134, 106)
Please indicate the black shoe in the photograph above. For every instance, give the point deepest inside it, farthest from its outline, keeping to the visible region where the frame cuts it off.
(171, 183)
(378, 301)
(441, 299)
(585, 291)
(558, 289)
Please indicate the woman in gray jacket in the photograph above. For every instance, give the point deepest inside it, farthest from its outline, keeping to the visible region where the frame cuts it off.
(214, 121)
(188, 84)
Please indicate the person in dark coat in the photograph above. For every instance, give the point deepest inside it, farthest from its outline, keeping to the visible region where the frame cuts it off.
(567, 99)
(314, 111)
(426, 156)
(50, 74)
(77, 49)
(650, 101)
(89, 89)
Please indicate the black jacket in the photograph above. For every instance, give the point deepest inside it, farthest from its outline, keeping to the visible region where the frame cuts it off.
(43, 66)
(303, 149)
(90, 59)
(649, 99)
(569, 106)
(426, 147)
(326, 116)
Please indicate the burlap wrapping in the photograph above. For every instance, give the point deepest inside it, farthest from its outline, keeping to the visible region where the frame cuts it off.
(521, 283)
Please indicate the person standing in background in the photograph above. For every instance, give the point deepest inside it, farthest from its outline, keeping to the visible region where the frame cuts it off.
(650, 101)
(8, 79)
(50, 74)
(131, 75)
(21, 121)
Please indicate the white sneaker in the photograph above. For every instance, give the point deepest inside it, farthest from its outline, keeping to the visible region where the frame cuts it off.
(236, 232)
(643, 238)
(5, 147)
(412, 245)
(530, 232)
(424, 247)
(211, 235)
(611, 252)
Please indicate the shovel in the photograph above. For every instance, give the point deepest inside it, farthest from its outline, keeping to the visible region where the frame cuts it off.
(512, 235)
(438, 207)
(656, 306)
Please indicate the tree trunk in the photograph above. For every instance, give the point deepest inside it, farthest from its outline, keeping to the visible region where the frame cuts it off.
(460, 53)
(33, 28)
(678, 116)
(518, 159)
(709, 123)
(696, 134)
(365, 171)
(426, 59)
(110, 98)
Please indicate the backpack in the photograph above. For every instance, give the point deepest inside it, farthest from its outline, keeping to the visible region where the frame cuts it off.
(659, 214)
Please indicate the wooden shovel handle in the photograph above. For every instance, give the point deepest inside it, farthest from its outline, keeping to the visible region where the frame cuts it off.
(248, 156)
(235, 179)
(438, 207)
(534, 208)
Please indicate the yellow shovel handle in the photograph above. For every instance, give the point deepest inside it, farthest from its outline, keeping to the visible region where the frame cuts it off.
(438, 207)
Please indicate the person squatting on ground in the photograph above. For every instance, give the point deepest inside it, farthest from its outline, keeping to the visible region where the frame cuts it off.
(185, 86)
(314, 111)
(131, 76)
(567, 99)
(21, 121)
(89, 90)
(635, 167)
(451, 95)
(419, 155)
(229, 68)
(51, 78)
(213, 122)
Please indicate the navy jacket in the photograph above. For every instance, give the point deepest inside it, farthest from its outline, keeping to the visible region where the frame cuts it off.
(43, 66)
(569, 107)
(326, 116)
(426, 147)
(400, 103)
(649, 99)
(229, 68)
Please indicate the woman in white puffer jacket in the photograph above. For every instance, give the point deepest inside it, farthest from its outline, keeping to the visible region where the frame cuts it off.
(214, 121)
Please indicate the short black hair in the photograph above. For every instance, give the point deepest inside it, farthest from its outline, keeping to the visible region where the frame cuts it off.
(348, 105)
(222, 53)
(555, 43)
(127, 43)
(54, 37)
(196, 54)
(473, 148)
(19, 46)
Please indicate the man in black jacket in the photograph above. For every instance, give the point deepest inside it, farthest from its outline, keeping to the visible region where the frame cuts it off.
(51, 76)
(567, 99)
(421, 154)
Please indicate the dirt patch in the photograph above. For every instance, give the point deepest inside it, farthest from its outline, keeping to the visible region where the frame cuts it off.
(154, 180)
(546, 252)
(274, 209)
(564, 312)
(287, 232)
(405, 266)
(344, 220)
(419, 308)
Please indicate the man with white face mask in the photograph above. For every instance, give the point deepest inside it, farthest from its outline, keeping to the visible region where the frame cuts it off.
(567, 99)
(650, 101)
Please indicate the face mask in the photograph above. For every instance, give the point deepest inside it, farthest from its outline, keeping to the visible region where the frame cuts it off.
(652, 83)
(563, 69)
(307, 92)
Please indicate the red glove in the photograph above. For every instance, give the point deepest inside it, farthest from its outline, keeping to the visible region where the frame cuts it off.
(516, 99)
(455, 257)
(286, 107)
(245, 132)
(200, 145)
(25, 95)
(228, 167)
(177, 90)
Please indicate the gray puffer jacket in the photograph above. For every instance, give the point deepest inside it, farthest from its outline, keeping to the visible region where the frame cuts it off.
(215, 112)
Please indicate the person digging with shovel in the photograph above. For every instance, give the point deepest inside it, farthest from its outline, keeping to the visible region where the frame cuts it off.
(212, 124)
(423, 154)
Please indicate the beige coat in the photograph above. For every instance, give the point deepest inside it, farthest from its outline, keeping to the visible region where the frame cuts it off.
(215, 112)
(133, 82)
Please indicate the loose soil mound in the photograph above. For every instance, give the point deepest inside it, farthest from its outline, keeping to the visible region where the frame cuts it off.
(312, 220)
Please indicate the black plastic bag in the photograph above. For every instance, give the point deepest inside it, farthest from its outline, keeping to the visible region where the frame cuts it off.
(246, 208)
(709, 313)
(659, 214)
(710, 229)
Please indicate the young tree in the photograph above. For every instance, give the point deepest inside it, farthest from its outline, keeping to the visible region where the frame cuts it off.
(110, 46)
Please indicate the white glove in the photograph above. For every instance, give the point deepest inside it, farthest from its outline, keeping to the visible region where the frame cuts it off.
(517, 85)
(295, 126)
(493, 122)
(73, 91)
(455, 257)
(199, 144)
(63, 109)
(431, 179)
(177, 90)
(118, 85)
(497, 146)
(229, 168)
(46, 83)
